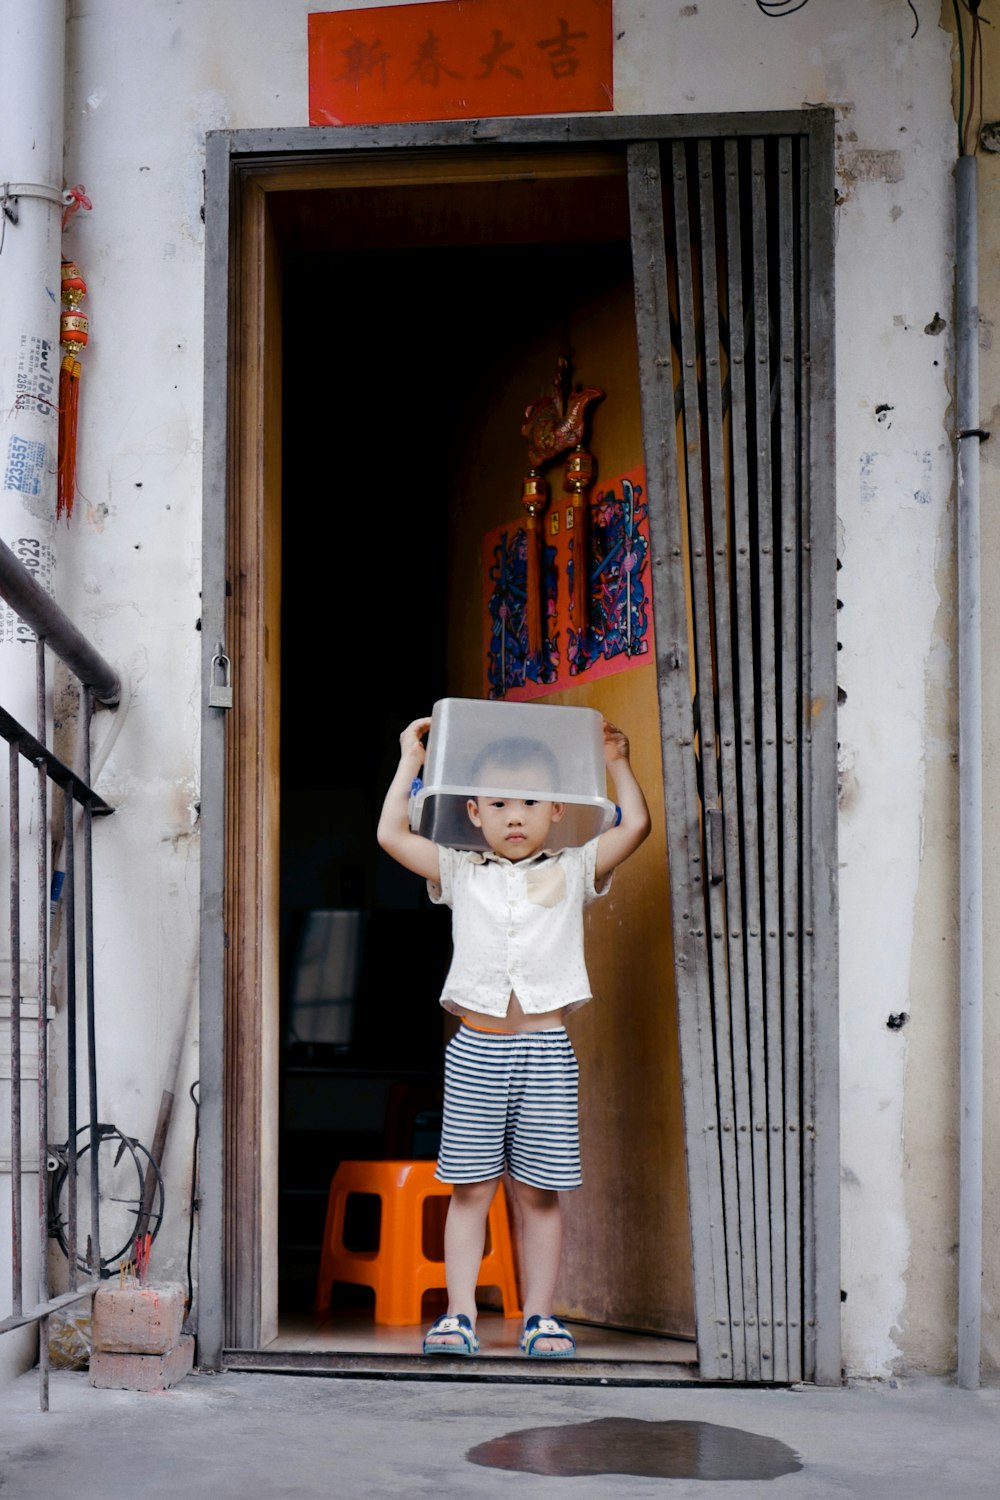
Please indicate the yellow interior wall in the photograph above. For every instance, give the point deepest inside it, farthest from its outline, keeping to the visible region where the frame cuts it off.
(627, 1252)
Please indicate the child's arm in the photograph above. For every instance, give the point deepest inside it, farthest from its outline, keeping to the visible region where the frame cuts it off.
(394, 834)
(628, 833)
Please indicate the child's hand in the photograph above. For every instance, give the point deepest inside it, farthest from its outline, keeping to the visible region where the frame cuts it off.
(633, 822)
(615, 743)
(411, 746)
(394, 833)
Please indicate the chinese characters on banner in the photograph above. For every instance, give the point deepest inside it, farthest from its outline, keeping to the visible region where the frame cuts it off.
(458, 60)
(618, 631)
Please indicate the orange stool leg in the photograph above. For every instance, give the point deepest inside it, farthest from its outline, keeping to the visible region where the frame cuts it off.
(399, 1271)
(408, 1271)
(337, 1262)
(333, 1238)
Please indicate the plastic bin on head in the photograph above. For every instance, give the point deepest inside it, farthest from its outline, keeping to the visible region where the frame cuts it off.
(485, 748)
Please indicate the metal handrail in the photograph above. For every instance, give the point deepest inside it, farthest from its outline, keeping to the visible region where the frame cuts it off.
(26, 596)
(98, 681)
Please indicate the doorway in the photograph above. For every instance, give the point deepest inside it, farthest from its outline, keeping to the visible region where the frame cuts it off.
(657, 253)
(456, 300)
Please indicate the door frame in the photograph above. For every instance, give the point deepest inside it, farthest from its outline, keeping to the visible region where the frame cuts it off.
(237, 1295)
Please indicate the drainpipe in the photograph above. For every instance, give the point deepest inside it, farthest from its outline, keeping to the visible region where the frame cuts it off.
(970, 780)
(31, 206)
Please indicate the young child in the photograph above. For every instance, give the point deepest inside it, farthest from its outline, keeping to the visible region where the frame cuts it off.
(517, 970)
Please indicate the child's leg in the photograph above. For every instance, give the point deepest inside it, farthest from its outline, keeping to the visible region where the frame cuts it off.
(544, 1159)
(464, 1242)
(541, 1243)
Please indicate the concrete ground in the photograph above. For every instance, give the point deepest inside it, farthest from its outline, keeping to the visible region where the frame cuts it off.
(253, 1434)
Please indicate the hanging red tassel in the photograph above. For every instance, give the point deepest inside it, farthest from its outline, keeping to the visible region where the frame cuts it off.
(534, 498)
(74, 332)
(579, 477)
(551, 425)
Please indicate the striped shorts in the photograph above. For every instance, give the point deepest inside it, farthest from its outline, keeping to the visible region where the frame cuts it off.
(511, 1100)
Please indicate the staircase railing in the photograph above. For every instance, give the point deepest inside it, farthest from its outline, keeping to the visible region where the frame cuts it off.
(34, 894)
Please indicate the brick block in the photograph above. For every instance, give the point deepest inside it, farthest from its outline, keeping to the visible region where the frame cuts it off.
(111, 1370)
(137, 1319)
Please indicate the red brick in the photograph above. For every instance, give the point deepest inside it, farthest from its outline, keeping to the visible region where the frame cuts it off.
(114, 1371)
(137, 1319)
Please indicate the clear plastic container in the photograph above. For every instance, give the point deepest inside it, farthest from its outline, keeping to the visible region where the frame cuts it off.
(480, 748)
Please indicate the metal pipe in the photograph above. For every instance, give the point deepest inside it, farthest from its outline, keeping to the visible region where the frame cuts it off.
(14, 784)
(94, 1258)
(69, 920)
(25, 595)
(970, 780)
(42, 990)
(31, 186)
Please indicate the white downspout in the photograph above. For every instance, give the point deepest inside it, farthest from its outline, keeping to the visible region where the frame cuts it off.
(970, 779)
(31, 207)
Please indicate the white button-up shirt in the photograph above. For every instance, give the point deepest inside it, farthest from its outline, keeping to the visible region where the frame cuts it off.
(517, 925)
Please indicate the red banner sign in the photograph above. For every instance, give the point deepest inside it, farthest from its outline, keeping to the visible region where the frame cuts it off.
(459, 60)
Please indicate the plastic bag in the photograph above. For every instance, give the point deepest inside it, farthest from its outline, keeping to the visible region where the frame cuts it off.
(69, 1338)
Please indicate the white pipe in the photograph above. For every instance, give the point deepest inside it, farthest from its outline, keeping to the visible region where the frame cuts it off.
(970, 780)
(31, 205)
(31, 188)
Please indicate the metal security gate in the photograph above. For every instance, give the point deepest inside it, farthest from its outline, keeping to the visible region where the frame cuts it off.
(733, 268)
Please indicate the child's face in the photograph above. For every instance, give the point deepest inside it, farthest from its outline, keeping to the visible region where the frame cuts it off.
(512, 826)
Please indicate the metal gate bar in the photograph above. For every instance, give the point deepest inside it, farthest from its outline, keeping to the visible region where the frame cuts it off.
(652, 309)
(788, 538)
(69, 898)
(767, 749)
(725, 458)
(695, 353)
(743, 822)
(40, 614)
(14, 788)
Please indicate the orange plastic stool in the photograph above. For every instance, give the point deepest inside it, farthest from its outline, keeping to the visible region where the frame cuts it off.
(399, 1271)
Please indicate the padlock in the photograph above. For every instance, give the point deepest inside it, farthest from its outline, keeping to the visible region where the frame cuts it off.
(220, 688)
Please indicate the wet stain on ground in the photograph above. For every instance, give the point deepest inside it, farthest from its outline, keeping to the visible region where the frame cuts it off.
(649, 1450)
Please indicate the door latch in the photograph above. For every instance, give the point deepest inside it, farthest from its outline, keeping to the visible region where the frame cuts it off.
(220, 687)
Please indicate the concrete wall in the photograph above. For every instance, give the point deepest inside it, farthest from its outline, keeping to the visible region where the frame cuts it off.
(146, 80)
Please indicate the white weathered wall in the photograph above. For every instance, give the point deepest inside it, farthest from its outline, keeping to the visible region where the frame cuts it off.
(146, 80)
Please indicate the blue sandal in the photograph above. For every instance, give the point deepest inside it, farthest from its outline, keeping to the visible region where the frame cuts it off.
(538, 1327)
(452, 1323)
